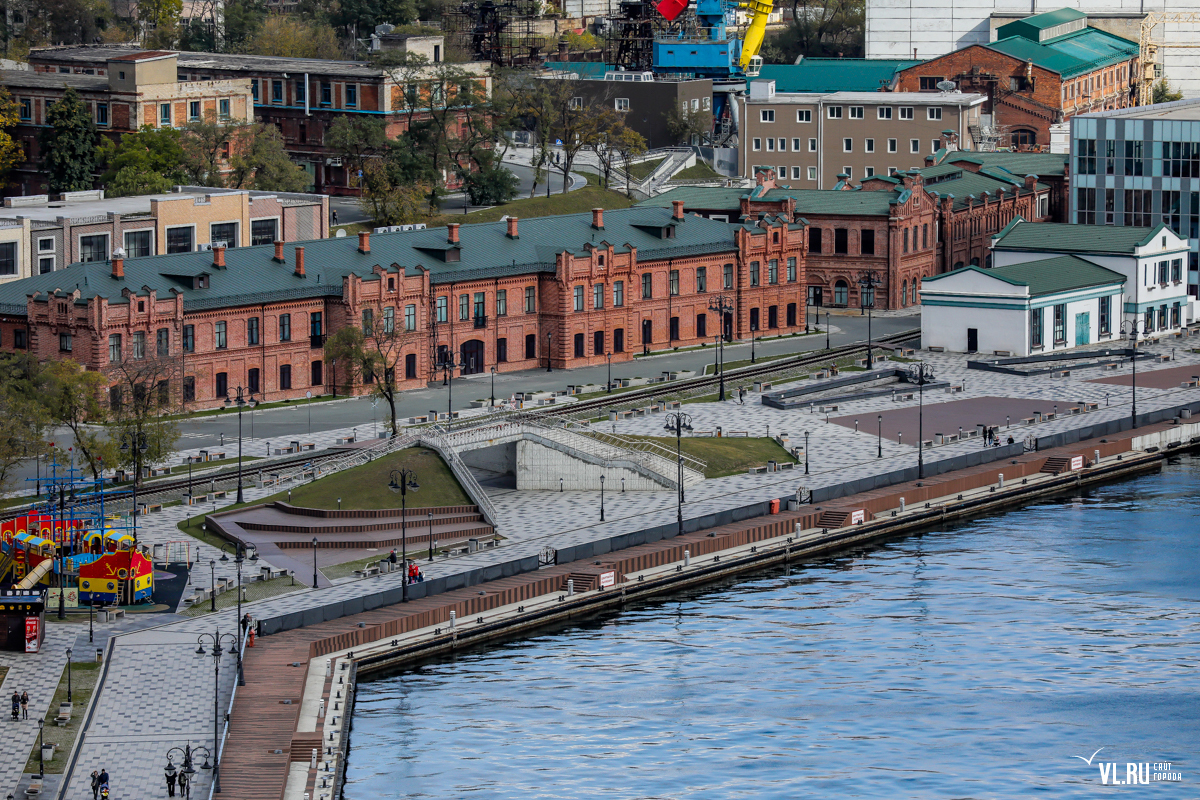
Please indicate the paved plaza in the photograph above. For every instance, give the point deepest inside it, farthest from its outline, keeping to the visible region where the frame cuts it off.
(143, 709)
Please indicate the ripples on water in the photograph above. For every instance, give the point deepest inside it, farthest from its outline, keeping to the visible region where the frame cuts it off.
(970, 662)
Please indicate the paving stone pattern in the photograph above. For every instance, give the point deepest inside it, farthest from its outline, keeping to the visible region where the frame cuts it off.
(158, 694)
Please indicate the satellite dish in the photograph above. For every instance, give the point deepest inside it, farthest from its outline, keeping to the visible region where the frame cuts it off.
(341, 234)
(946, 86)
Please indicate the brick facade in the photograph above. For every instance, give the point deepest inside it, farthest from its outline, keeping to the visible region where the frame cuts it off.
(565, 332)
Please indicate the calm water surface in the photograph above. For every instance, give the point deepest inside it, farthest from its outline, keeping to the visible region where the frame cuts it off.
(971, 662)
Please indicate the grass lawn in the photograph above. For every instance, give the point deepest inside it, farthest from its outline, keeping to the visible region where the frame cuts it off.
(728, 456)
(351, 229)
(641, 170)
(222, 411)
(364, 487)
(697, 172)
(576, 202)
(709, 370)
(83, 682)
(255, 590)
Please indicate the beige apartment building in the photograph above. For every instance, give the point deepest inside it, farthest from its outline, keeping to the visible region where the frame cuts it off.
(87, 226)
(812, 139)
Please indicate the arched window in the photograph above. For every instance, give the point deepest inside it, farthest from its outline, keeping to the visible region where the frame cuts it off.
(841, 293)
(1023, 137)
(913, 297)
(958, 265)
(975, 261)
(904, 294)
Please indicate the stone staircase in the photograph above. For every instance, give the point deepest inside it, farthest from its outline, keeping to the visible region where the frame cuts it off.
(1056, 465)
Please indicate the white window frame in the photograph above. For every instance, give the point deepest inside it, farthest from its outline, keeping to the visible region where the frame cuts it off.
(870, 172)
(167, 236)
(53, 263)
(575, 103)
(812, 145)
(770, 144)
(830, 112)
(766, 115)
(883, 112)
(868, 145)
(151, 231)
(914, 145)
(79, 245)
(756, 144)
(621, 104)
(906, 112)
(42, 240)
(893, 145)
(278, 227)
(849, 171)
(812, 173)
(856, 112)
(847, 145)
(795, 173)
(933, 113)
(237, 230)
(796, 144)
(804, 115)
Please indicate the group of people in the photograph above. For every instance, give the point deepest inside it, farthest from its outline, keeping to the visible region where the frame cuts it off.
(991, 437)
(20, 705)
(100, 784)
(414, 572)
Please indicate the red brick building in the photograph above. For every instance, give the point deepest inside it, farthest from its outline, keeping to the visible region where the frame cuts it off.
(1039, 72)
(566, 291)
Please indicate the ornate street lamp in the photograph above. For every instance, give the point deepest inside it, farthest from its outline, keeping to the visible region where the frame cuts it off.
(131, 442)
(240, 402)
(920, 373)
(217, 641)
(866, 297)
(401, 481)
(678, 422)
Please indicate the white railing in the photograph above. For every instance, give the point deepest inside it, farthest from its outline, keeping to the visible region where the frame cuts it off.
(434, 439)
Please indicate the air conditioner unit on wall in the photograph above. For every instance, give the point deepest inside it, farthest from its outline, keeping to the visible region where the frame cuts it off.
(420, 226)
(381, 230)
(205, 247)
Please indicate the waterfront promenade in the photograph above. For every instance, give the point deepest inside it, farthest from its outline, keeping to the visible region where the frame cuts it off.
(135, 720)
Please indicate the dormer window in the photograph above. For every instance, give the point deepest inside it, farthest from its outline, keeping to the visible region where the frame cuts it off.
(669, 232)
(600, 259)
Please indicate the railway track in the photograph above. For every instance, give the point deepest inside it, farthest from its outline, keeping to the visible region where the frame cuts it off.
(120, 499)
(741, 374)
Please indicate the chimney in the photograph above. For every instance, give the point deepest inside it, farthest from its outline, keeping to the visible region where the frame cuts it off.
(219, 256)
(512, 228)
(598, 218)
(118, 267)
(677, 209)
(364, 241)
(452, 233)
(563, 48)
(278, 251)
(1031, 182)
(915, 55)
(300, 262)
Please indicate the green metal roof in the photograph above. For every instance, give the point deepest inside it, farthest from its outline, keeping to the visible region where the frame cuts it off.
(834, 74)
(1061, 237)
(1046, 277)
(1019, 164)
(954, 179)
(704, 197)
(1072, 54)
(1032, 27)
(854, 202)
(252, 275)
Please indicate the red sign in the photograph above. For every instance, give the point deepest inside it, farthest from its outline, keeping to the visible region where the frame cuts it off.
(31, 634)
(1076, 462)
(607, 579)
(857, 517)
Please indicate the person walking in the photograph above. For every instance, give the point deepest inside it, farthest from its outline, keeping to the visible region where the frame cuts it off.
(171, 778)
(183, 784)
(95, 785)
(334, 215)
(103, 777)
(16, 706)
(24, 705)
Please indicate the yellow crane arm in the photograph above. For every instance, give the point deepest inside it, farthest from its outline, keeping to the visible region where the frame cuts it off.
(757, 30)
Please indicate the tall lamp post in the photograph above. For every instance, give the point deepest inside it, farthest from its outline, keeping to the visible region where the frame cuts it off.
(69, 654)
(431, 536)
(866, 296)
(806, 452)
(921, 373)
(240, 402)
(41, 748)
(212, 594)
(720, 306)
(826, 329)
(314, 562)
(1129, 328)
(492, 396)
(187, 769)
(239, 556)
(217, 640)
(602, 498)
(880, 440)
(549, 336)
(448, 366)
(401, 481)
(608, 386)
(678, 422)
(133, 443)
(58, 491)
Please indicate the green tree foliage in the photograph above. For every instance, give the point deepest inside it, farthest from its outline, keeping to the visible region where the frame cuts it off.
(491, 185)
(62, 21)
(358, 18)
(68, 145)
(71, 397)
(22, 418)
(293, 37)
(140, 400)
(1162, 93)
(829, 28)
(259, 161)
(356, 139)
(689, 127)
(10, 151)
(145, 162)
(372, 353)
(243, 20)
(390, 200)
(160, 20)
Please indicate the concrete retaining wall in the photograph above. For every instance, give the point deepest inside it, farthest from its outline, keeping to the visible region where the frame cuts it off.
(539, 468)
(501, 458)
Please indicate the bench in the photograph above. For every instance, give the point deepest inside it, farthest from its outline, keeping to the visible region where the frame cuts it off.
(219, 494)
(367, 572)
(1062, 373)
(110, 614)
(957, 389)
(345, 440)
(1110, 367)
(903, 351)
(738, 434)
(216, 456)
(152, 508)
(35, 787)
(828, 409)
(157, 471)
(903, 396)
(64, 713)
(756, 470)
(937, 349)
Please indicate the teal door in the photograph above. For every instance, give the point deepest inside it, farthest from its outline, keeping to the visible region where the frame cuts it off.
(1083, 329)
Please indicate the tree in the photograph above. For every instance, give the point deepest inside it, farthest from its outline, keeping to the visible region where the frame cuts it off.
(139, 399)
(828, 28)
(689, 127)
(144, 162)
(259, 161)
(160, 21)
(373, 352)
(618, 144)
(356, 140)
(358, 18)
(391, 202)
(205, 143)
(491, 185)
(68, 145)
(627, 144)
(293, 37)
(71, 396)
(10, 152)
(22, 419)
(1162, 93)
